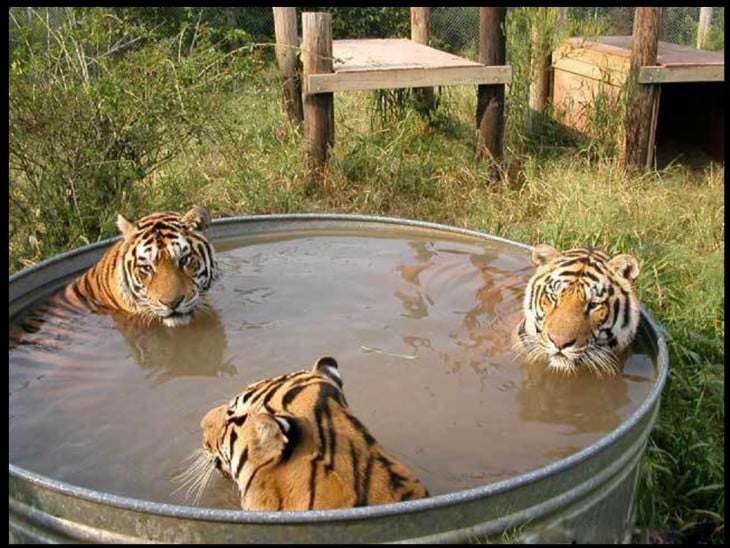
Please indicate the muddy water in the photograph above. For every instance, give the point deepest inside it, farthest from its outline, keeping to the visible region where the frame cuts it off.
(419, 322)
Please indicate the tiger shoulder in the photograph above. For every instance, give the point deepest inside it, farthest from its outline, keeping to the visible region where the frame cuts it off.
(292, 443)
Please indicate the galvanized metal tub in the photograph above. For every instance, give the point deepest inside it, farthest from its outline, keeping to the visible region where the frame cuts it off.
(588, 497)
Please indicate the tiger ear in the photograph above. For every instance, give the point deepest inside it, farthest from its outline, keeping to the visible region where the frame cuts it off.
(125, 227)
(327, 366)
(269, 436)
(325, 362)
(197, 218)
(542, 253)
(625, 265)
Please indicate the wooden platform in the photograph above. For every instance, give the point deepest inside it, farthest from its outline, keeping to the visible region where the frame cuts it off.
(592, 57)
(689, 116)
(399, 63)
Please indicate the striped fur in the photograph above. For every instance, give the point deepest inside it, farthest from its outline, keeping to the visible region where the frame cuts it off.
(159, 271)
(292, 443)
(580, 309)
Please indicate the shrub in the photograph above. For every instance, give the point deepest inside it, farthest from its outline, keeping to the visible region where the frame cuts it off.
(94, 108)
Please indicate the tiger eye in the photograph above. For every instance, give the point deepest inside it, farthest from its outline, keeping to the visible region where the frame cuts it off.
(144, 269)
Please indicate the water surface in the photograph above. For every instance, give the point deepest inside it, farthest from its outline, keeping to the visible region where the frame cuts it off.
(419, 322)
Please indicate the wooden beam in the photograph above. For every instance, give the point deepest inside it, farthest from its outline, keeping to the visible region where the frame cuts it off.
(641, 107)
(539, 67)
(588, 70)
(420, 18)
(675, 74)
(319, 110)
(406, 78)
(703, 27)
(287, 57)
(490, 97)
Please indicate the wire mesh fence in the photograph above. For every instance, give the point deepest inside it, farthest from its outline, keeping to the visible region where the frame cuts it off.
(456, 29)
(453, 29)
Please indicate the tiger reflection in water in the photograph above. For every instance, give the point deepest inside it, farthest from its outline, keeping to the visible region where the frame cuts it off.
(583, 401)
(195, 349)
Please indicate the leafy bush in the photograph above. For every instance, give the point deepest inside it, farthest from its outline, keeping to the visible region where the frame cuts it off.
(94, 108)
(380, 22)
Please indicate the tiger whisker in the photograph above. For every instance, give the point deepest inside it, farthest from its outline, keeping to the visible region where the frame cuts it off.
(188, 477)
(598, 360)
(203, 483)
(195, 477)
(192, 471)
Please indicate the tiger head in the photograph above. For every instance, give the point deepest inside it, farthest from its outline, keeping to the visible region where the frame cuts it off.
(263, 435)
(580, 309)
(167, 265)
(292, 443)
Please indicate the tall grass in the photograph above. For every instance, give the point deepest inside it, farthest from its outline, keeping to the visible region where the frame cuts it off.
(251, 161)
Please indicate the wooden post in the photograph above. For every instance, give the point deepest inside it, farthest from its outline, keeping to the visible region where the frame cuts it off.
(287, 56)
(703, 26)
(561, 22)
(319, 110)
(490, 98)
(643, 99)
(661, 33)
(420, 18)
(539, 67)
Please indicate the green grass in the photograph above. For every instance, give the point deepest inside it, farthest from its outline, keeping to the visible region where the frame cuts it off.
(251, 161)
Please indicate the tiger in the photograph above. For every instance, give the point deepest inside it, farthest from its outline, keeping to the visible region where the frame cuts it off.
(158, 271)
(292, 443)
(580, 310)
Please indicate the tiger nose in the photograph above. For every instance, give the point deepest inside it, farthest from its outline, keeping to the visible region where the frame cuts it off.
(561, 342)
(172, 303)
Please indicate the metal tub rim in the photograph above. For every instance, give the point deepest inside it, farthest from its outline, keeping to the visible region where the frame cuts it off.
(383, 510)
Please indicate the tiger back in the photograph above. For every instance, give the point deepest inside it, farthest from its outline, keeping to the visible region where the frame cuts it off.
(158, 271)
(292, 443)
(580, 310)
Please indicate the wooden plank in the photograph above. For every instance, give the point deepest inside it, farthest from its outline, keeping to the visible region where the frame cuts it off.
(287, 56)
(641, 101)
(490, 98)
(420, 18)
(574, 96)
(391, 54)
(703, 26)
(615, 46)
(676, 73)
(406, 78)
(319, 112)
(674, 54)
(539, 69)
(667, 52)
(601, 59)
(588, 70)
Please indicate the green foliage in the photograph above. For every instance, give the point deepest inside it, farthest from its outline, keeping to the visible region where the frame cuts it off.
(601, 20)
(227, 27)
(94, 108)
(716, 36)
(362, 22)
